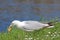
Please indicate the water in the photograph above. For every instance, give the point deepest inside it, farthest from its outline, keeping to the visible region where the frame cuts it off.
(11, 10)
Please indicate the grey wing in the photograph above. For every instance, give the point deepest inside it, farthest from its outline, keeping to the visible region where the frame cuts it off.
(33, 25)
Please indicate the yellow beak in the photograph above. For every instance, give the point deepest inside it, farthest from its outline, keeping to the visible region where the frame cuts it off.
(9, 28)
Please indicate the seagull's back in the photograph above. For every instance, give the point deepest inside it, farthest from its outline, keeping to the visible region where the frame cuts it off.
(34, 25)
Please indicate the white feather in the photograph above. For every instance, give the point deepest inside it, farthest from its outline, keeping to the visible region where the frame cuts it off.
(29, 25)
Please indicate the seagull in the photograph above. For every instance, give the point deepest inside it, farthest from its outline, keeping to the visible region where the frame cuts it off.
(29, 25)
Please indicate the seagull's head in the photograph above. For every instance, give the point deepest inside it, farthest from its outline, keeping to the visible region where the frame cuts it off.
(14, 23)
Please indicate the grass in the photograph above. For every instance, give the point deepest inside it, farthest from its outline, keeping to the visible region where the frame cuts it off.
(42, 34)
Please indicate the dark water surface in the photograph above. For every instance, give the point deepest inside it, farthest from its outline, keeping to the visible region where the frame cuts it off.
(27, 10)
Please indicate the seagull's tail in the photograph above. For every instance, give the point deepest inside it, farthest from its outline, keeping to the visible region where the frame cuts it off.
(51, 24)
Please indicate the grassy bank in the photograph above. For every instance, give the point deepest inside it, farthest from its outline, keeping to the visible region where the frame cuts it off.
(42, 34)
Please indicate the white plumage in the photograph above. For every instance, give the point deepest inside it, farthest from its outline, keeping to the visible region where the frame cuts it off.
(29, 25)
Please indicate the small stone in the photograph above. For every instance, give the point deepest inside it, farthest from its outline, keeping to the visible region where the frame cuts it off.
(49, 32)
(55, 32)
(51, 35)
(47, 35)
(26, 38)
(30, 38)
(34, 39)
(54, 35)
(26, 35)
